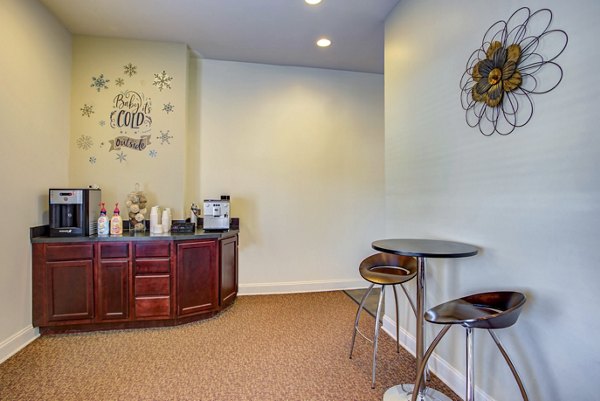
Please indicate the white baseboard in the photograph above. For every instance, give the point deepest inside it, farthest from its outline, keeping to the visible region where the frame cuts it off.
(299, 286)
(440, 367)
(16, 342)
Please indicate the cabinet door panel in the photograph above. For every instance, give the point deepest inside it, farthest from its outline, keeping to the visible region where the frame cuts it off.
(229, 270)
(69, 252)
(69, 290)
(115, 250)
(153, 307)
(152, 249)
(113, 289)
(197, 277)
(149, 266)
(152, 285)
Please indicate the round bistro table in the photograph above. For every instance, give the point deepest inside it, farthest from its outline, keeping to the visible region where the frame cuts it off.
(421, 249)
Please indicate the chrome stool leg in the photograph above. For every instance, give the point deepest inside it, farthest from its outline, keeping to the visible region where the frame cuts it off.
(397, 319)
(383, 269)
(490, 310)
(469, 365)
(376, 338)
(510, 365)
(470, 383)
(421, 369)
(358, 312)
(410, 301)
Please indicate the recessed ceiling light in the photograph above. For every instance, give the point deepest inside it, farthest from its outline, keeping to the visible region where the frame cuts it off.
(312, 2)
(323, 42)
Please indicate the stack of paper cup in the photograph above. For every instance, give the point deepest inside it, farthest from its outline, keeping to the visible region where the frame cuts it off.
(154, 219)
(166, 220)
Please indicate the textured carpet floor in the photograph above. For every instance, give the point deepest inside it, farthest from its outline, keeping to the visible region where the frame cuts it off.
(263, 348)
(370, 303)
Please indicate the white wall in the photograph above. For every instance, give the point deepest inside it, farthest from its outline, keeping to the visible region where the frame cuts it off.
(300, 151)
(530, 200)
(35, 55)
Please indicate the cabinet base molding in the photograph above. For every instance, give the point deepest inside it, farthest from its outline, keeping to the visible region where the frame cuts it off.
(140, 324)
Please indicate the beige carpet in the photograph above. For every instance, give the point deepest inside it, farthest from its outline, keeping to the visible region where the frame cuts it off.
(263, 348)
(370, 303)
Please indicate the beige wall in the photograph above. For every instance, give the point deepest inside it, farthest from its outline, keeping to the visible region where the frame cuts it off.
(530, 200)
(300, 151)
(161, 174)
(35, 54)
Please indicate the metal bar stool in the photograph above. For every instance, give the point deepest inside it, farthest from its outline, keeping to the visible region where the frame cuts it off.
(384, 269)
(490, 310)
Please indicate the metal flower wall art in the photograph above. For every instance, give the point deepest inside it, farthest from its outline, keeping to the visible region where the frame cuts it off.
(514, 62)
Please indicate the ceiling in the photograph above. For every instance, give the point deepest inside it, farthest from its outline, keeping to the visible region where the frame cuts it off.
(281, 32)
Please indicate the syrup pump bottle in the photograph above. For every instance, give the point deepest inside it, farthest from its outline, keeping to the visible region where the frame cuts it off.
(116, 222)
(103, 223)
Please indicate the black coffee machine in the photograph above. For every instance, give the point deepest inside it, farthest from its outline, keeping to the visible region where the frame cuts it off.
(74, 212)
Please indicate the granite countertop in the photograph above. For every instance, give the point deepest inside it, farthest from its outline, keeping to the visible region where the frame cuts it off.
(39, 235)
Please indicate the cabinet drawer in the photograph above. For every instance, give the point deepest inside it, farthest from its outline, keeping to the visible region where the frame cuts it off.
(153, 249)
(153, 266)
(153, 307)
(152, 285)
(117, 250)
(69, 252)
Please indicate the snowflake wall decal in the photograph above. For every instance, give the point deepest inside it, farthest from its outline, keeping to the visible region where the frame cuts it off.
(87, 110)
(153, 153)
(119, 82)
(162, 81)
(168, 107)
(121, 157)
(102, 123)
(164, 137)
(92, 160)
(85, 142)
(100, 82)
(130, 69)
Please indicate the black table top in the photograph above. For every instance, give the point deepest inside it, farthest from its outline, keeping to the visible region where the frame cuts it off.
(429, 248)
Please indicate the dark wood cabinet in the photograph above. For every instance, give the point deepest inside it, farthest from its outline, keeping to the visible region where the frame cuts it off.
(152, 286)
(228, 254)
(63, 284)
(69, 290)
(112, 281)
(91, 285)
(197, 277)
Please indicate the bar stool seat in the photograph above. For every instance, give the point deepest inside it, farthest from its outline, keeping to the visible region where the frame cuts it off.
(490, 311)
(384, 269)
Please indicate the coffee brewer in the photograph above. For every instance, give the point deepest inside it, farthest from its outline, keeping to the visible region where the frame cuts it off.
(74, 212)
(216, 214)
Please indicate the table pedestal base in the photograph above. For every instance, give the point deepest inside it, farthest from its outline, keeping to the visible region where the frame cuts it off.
(403, 392)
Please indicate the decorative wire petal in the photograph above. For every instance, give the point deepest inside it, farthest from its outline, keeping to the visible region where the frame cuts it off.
(492, 99)
(509, 69)
(494, 46)
(499, 57)
(513, 82)
(476, 95)
(494, 95)
(513, 53)
(476, 74)
(482, 86)
(485, 67)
